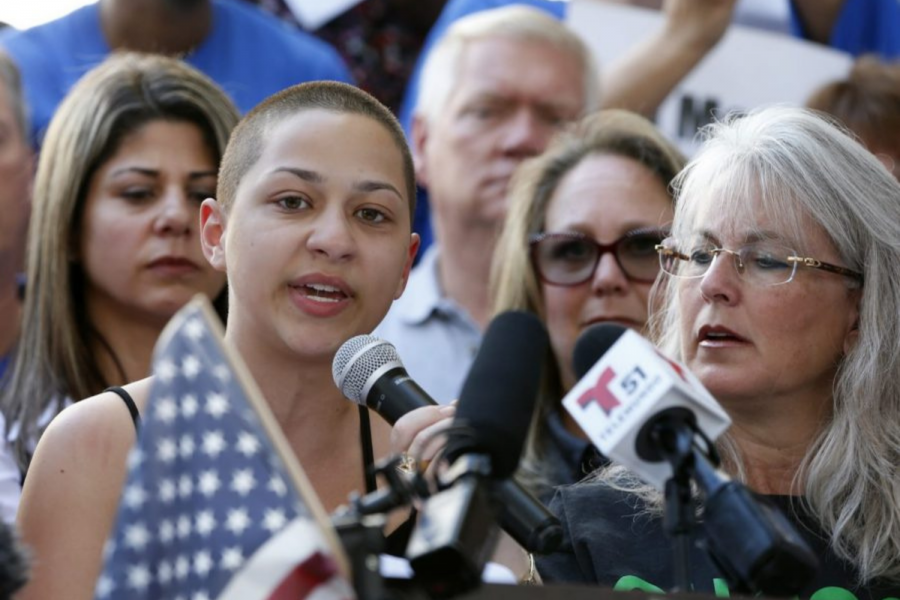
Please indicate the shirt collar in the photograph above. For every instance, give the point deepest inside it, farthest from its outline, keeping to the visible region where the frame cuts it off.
(423, 295)
(578, 452)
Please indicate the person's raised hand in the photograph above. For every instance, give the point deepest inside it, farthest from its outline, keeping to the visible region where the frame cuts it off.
(699, 24)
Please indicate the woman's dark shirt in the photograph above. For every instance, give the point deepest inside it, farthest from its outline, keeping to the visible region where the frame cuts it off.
(608, 540)
(565, 458)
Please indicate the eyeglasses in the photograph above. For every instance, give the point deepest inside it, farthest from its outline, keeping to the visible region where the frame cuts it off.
(760, 263)
(569, 258)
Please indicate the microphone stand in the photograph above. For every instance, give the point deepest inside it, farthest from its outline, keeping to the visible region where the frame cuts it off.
(675, 441)
(361, 528)
(456, 532)
(754, 545)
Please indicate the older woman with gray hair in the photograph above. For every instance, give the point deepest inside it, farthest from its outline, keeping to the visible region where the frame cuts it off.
(781, 296)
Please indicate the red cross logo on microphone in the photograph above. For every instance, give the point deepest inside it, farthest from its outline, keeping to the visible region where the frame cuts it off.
(675, 366)
(600, 393)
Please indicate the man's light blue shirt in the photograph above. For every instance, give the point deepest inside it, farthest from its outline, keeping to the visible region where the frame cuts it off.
(436, 338)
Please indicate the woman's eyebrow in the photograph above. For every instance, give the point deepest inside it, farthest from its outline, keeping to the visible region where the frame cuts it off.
(202, 174)
(156, 172)
(139, 170)
(366, 185)
(371, 185)
(304, 174)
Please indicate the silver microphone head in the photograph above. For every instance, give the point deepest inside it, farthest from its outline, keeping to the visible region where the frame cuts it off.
(357, 360)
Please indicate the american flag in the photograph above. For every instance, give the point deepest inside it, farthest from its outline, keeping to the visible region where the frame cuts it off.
(212, 508)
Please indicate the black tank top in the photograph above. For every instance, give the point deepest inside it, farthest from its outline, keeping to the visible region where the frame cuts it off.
(129, 402)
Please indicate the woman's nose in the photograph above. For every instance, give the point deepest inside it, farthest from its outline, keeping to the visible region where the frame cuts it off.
(331, 235)
(608, 275)
(176, 215)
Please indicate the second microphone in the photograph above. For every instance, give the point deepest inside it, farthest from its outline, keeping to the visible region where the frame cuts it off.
(369, 371)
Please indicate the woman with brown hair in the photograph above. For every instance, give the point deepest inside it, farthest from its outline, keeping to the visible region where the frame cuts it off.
(577, 249)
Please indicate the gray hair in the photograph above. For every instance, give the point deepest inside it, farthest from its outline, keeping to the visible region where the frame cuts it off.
(441, 68)
(11, 83)
(797, 164)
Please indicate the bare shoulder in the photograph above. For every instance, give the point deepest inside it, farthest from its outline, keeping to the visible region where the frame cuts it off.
(72, 491)
(94, 427)
(92, 436)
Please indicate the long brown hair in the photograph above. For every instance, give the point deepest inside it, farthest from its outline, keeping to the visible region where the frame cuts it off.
(53, 361)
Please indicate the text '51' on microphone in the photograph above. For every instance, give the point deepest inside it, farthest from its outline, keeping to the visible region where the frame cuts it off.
(626, 384)
(647, 412)
(368, 371)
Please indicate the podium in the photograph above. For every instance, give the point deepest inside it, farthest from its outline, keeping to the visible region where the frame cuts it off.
(406, 590)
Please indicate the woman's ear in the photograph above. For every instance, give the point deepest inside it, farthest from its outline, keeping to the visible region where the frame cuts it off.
(851, 337)
(212, 233)
(414, 242)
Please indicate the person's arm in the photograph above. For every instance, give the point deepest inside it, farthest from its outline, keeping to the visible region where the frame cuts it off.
(10, 490)
(71, 495)
(641, 79)
(817, 18)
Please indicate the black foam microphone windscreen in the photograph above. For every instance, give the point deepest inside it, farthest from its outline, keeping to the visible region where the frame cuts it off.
(499, 394)
(592, 344)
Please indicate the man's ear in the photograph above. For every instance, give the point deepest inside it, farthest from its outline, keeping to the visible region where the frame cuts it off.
(212, 233)
(414, 242)
(419, 134)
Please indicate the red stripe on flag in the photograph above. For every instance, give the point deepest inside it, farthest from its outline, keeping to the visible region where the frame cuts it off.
(306, 577)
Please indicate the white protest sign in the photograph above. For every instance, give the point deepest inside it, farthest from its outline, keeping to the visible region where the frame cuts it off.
(312, 14)
(748, 68)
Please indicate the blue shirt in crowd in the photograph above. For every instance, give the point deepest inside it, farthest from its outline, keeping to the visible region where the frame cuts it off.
(248, 52)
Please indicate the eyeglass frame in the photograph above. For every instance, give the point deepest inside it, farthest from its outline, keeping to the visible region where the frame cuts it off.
(662, 250)
(535, 239)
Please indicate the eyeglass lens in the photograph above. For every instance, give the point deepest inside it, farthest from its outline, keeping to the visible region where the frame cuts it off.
(759, 263)
(570, 259)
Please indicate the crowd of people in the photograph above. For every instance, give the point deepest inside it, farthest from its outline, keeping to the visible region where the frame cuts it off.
(767, 263)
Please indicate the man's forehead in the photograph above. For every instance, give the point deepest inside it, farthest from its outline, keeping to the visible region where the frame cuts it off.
(489, 73)
(503, 51)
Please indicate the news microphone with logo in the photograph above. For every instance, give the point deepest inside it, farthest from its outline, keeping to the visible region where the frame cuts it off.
(625, 385)
(627, 395)
(369, 372)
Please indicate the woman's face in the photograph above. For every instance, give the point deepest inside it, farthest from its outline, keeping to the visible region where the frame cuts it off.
(603, 197)
(15, 188)
(751, 344)
(317, 243)
(139, 241)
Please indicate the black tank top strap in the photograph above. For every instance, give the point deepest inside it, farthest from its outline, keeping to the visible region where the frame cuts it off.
(129, 402)
(365, 440)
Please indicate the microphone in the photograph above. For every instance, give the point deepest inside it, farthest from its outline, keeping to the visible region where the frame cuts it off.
(642, 409)
(369, 372)
(498, 398)
(456, 532)
(626, 386)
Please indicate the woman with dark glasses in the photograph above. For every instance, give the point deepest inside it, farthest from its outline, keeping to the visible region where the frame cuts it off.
(591, 210)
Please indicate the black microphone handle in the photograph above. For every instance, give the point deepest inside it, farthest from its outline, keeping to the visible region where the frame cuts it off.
(394, 393)
(524, 517)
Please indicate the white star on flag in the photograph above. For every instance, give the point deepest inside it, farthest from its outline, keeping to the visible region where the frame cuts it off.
(185, 534)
